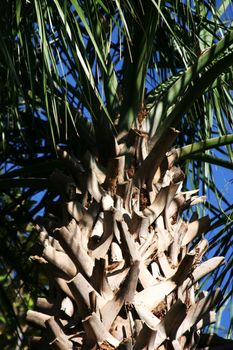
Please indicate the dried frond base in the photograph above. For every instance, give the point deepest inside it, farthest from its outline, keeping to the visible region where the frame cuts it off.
(123, 266)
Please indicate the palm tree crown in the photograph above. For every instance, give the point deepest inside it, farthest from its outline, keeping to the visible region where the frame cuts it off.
(110, 82)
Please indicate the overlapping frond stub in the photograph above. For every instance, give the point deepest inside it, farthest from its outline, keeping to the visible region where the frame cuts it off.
(122, 263)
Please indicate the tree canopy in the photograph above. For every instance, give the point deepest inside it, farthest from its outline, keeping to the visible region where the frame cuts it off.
(78, 74)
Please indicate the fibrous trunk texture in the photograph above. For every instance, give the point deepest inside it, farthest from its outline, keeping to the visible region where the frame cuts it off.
(122, 263)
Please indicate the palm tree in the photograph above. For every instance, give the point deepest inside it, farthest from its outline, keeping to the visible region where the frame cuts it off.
(117, 254)
(110, 83)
